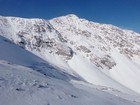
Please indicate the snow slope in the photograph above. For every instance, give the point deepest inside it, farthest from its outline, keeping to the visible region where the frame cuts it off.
(14, 54)
(21, 85)
(69, 48)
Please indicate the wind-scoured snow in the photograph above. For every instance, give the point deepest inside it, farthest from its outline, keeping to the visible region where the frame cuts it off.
(67, 61)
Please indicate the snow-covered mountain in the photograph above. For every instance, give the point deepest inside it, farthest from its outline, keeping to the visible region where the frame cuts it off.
(68, 61)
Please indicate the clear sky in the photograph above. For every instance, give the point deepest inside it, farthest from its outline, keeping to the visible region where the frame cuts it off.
(122, 13)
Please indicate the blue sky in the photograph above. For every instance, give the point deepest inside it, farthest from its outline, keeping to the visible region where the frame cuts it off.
(122, 13)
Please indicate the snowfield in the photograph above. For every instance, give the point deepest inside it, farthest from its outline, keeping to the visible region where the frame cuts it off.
(67, 61)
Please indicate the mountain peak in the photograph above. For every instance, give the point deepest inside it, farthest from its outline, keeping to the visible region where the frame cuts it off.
(67, 17)
(72, 15)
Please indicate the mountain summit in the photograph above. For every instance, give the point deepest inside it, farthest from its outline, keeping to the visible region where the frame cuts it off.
(74, 49)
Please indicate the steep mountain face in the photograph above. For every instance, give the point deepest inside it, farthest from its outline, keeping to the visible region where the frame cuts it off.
(97, 40)
(116, 52)
(100, 54)
(34, 34)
